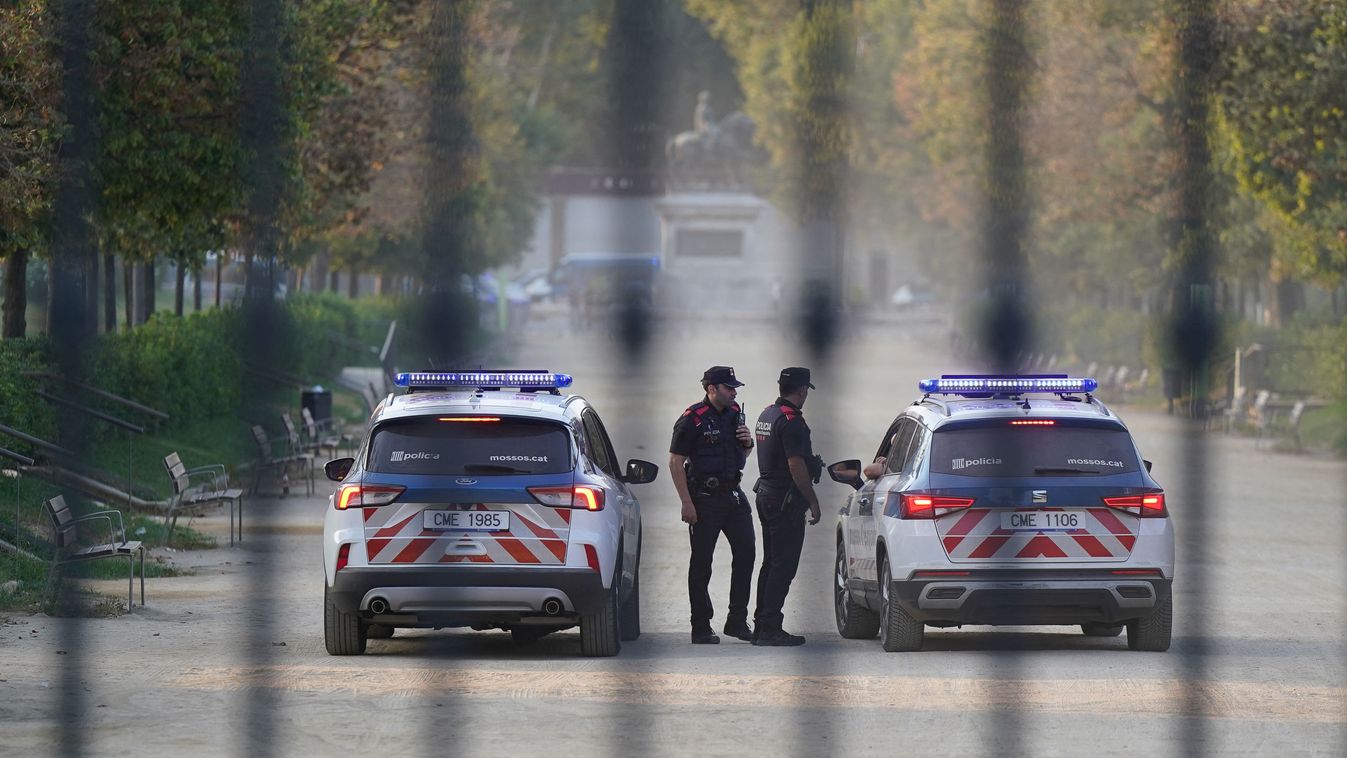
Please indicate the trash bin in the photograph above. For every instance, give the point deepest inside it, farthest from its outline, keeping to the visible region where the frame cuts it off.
(318, 401)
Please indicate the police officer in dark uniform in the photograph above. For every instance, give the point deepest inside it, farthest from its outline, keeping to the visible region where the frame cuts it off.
(787, 470)
(706, 460)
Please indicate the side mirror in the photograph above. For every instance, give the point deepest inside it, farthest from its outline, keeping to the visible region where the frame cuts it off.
(337, 470)
(846, 472)
(1147, 464)
(640, 472)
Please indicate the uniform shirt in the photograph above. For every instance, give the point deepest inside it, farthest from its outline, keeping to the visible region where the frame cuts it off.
(706, 437)
(782, 434)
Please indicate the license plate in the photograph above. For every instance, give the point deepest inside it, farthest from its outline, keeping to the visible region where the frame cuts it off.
(473, 521)
(1020, 521)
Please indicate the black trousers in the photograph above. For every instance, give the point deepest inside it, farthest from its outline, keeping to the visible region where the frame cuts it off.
(782, 540)
(728, 513)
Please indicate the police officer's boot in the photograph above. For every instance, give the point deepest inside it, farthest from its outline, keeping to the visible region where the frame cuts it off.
(738, 629)
(777, 638)
(704, 637)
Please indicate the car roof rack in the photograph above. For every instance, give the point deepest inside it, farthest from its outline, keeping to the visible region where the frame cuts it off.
(524, 380)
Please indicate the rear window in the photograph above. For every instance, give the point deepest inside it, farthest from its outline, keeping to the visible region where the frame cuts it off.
(1002, 450)
(476, 448)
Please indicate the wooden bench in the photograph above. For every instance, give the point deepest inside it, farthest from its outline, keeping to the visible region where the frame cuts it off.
(279, 464)
(295, 450)
(319, 437)
(67, 550)
(211, 487)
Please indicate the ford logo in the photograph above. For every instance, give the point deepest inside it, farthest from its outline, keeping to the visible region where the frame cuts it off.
(465, 481)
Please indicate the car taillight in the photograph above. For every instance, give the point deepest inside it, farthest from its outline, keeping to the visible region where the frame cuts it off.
(1149, 505)
(343, 556)
(918, 505)
(579, 496)
(365, 495)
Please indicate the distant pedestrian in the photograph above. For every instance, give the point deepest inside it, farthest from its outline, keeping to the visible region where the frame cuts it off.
(787, 469)
(706, 461)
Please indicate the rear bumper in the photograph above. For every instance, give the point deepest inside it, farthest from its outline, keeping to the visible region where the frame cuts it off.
(435, 596)
(994, 597)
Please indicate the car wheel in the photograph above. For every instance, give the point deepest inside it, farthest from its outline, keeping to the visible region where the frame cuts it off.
(630, 622)
(854, 621)
(898, 632)
(343, 633)
(600, 631)
(1101, 630)
(1152, 634)
(379, 631)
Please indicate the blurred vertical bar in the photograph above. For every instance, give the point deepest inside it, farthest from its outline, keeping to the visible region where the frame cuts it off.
(824, 39)
(823, 43)
(636, 60)
(262, 125)
(72, 323)
(1192, 332)
(444, 316)
(1005, 225)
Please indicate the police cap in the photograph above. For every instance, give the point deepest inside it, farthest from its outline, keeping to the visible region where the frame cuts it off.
(720, 375)
(793, 377)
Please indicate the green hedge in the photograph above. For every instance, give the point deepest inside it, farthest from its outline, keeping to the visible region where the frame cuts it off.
(190, 368)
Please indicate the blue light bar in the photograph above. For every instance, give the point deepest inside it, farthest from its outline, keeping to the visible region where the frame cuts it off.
(520, 379)
(1006, 384)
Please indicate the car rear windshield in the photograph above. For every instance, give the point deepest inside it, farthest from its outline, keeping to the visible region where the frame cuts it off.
(1002, 450)
(476, 448)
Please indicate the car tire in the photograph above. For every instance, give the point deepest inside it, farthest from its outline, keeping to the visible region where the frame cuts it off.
(600, 631)
(898, 632)
(854, 621)
(1152, 634)
(378, 632)
(1097, 629)
(343, 633)
(630, 622)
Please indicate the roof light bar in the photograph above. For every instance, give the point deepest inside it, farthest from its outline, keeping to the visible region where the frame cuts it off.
(521, 379)
(1006, 384)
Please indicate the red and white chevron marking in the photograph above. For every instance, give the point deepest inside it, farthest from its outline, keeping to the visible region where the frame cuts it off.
(977, 535)
(537, 535)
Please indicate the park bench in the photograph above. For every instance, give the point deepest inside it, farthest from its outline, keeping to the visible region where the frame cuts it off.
(66, 526)
(320, 437)
(197, 488)
(296, 451)
(278, 464)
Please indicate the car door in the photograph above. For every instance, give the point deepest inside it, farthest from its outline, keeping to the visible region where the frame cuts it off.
(605, 458)
(870, 501)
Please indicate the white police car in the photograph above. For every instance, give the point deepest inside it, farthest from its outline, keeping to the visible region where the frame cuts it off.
(484, 499)
(1005, 500)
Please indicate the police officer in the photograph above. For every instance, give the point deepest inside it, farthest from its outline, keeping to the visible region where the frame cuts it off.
(787, 469)
(706, 460)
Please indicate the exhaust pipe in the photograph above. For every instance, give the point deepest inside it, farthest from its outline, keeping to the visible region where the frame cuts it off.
(552, 606)
(378, 606)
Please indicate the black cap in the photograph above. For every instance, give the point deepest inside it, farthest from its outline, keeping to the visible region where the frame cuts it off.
(794, 376)
(720, 375)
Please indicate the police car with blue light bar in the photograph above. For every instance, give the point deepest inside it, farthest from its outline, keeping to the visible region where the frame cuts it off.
(1004, 500)
(485, 499)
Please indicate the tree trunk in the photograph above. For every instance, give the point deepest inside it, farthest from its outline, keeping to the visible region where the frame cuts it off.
(179, 288)
(109, 292)
(335, 285)
(196, 289)
(318, 273)
(91, 278)
(353, 286)
(219, 276)
(147, 297)
(129, 291)
(15, 320)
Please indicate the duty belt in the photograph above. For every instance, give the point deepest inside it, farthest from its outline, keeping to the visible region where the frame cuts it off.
(715, 483)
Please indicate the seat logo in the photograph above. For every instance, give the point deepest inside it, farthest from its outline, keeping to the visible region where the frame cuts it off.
(465, 481)
(1040, 496)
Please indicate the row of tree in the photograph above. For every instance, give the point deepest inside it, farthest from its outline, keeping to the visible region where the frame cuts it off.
(1099, 133)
